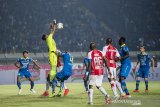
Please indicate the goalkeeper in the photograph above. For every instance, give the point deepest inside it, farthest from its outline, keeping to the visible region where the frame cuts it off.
(51, 55)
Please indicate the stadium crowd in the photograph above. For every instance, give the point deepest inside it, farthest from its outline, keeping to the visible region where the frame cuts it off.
(23, 23)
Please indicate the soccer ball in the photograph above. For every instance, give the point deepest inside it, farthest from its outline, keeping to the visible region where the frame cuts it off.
(59, 25)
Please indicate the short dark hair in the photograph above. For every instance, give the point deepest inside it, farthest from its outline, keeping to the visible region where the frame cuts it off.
(92, 45)
(108, 41)
(142, 46)
(43, 37)
(25, 52)
(123, 39)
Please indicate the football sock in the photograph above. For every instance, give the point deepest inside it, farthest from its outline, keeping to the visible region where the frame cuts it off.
(90, 95)
(146, 82)
(119, 86)
(113, 86)
(54, 83)
(61, 86)
(47, 86)
(65, 87)
(19, 84)
(137, 84)
(124, 87)
(86, 85)
(32, 84)
(102, 90)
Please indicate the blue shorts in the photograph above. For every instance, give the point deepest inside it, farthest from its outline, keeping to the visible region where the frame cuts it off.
(24, 73)
(86, 75)
(61, 76)
(125, 69)
(143, 72)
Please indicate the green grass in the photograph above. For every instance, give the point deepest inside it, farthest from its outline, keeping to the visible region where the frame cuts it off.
(76, 97)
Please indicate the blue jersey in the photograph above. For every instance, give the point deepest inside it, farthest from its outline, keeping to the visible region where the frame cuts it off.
(144, 60)
(123, 50)
(24, 63)
(68, 61)
(86, 63)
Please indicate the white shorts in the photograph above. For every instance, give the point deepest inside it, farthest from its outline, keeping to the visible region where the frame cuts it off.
(113, 73)
(96, 80)
(59, 68)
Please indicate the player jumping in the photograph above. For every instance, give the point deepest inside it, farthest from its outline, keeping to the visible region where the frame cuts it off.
(96, 68)
(143, 72)
(51, 55)
(59, 69)
(64, 74)
(23, 65)
(111, 53)
(125, 65)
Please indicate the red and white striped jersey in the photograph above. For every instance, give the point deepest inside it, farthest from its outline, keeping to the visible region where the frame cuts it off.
(111, 53)
(97, 62)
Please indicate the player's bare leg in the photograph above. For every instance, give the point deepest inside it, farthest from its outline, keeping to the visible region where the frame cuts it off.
(102, 90)
(54, 84)
(32, 85)
(61, 89)
(90, 95)
(48, 84)
(137, 85)
(124, 87)
(146, 83)
(114, 88)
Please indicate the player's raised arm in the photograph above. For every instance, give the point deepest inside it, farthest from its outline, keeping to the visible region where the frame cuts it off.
(53, 28)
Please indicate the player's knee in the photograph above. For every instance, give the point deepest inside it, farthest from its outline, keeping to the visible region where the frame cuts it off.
(31, 79)
(145, 79)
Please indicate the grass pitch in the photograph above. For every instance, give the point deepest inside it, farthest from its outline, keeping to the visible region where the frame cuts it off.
(77, 97)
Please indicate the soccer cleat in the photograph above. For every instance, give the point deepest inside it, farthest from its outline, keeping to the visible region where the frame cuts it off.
(66, 91)
(146, 91)
(136, 91)
(52, 95)
(128, 96)
(116, 97)
(90, 103)
(46, 93)
(59, 94)
(33, 91)
(108, 99)
(20, 91)
(123, 95)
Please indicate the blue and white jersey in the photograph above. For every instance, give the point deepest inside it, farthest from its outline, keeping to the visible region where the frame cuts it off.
(123, 50)
(24, 63)
(67, 61)
(86, 63)
(144, 60)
